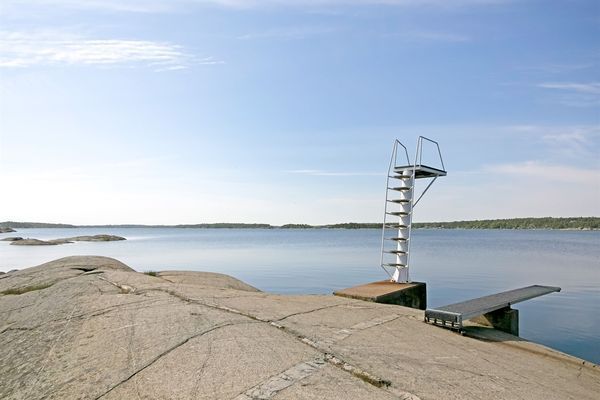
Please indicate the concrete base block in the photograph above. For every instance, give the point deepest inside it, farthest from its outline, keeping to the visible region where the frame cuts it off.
(413, 295)
(505, 320)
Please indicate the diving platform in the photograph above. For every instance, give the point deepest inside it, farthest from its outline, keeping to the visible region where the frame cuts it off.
(421, 171)
(493, 310)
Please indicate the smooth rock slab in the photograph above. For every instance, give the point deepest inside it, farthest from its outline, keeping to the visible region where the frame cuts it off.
(193, 335)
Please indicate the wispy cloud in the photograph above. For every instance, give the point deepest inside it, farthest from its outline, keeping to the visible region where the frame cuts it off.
(303, 32)
(137, 6)
(318, 172)
(23, 49)
(557, 68)
(576, 142)
(548, 172)
(291, 33)
(575, 94)
(588, 88)
(429, 36)
(153, 6)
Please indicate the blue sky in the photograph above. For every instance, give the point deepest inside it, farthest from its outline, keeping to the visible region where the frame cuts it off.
(277, 111)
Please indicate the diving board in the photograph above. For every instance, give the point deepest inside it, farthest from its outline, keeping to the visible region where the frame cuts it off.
(494, 308)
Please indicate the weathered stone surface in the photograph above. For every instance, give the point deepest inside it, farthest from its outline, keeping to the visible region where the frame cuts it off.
(208, 279)
(6, 229)
(92, 328)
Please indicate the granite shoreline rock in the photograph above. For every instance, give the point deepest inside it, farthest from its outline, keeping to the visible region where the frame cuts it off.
(90, 327)
(6, 229)
(52, 242)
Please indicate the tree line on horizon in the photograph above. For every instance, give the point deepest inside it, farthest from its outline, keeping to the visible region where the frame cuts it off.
(587, 223)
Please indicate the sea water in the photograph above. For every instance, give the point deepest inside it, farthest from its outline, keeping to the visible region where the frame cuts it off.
(456, 265)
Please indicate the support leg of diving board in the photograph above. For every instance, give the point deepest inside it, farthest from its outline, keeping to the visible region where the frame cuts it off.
(505, 319)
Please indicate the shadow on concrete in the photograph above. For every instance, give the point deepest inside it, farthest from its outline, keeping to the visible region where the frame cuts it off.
(488, 333)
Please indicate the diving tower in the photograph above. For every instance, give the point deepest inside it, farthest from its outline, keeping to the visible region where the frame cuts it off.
(400, 202)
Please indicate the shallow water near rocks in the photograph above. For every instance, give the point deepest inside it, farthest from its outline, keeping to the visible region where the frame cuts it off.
(456, 265)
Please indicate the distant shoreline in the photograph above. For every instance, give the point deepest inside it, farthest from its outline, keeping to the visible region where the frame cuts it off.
(544, 223)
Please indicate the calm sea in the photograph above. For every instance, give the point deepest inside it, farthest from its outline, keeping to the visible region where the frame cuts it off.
(456, 264)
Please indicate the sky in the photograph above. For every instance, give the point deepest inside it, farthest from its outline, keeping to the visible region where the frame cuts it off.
(285, 111)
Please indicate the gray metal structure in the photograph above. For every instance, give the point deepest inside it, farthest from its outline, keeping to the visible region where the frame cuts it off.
(453, 315)
(399, 204)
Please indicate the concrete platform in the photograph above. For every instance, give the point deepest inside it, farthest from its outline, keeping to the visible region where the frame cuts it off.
(413, 295)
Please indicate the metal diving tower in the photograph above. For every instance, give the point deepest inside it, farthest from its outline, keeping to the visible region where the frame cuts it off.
(399, 204)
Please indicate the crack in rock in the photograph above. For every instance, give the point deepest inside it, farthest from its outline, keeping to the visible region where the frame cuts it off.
(329, 357)
(169, 350)
(269, 388)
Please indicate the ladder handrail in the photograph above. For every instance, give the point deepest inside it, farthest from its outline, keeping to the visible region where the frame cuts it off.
(395, 153)
(420, 150)
(387, 184)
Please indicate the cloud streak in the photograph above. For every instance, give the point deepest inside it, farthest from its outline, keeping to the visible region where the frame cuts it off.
(155, 6)
(547, 172)
(573, 142)
(22, 49)
(587, 88)
(318, 172)
(429, 36)
(289, 33)
(575, 94)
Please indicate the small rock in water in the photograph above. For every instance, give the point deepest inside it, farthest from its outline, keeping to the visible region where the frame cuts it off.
(11, 239)
(96, 238)
(36, 242)
(32, 242)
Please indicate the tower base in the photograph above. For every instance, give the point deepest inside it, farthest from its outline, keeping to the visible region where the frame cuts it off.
(413, 294)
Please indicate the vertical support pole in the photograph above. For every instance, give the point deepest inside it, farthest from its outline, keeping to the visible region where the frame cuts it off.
(412, 204)
(403, 246)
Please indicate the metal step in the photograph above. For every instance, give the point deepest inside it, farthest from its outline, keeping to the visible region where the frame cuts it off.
(396, 252)
(396, 226)
(394, 265)
(398, 213)
(400, 189)
(399, 201)
(397, 239)
(399, 176)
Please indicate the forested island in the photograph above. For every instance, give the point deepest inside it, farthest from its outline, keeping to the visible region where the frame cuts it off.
(574, 223)
(582, 223)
